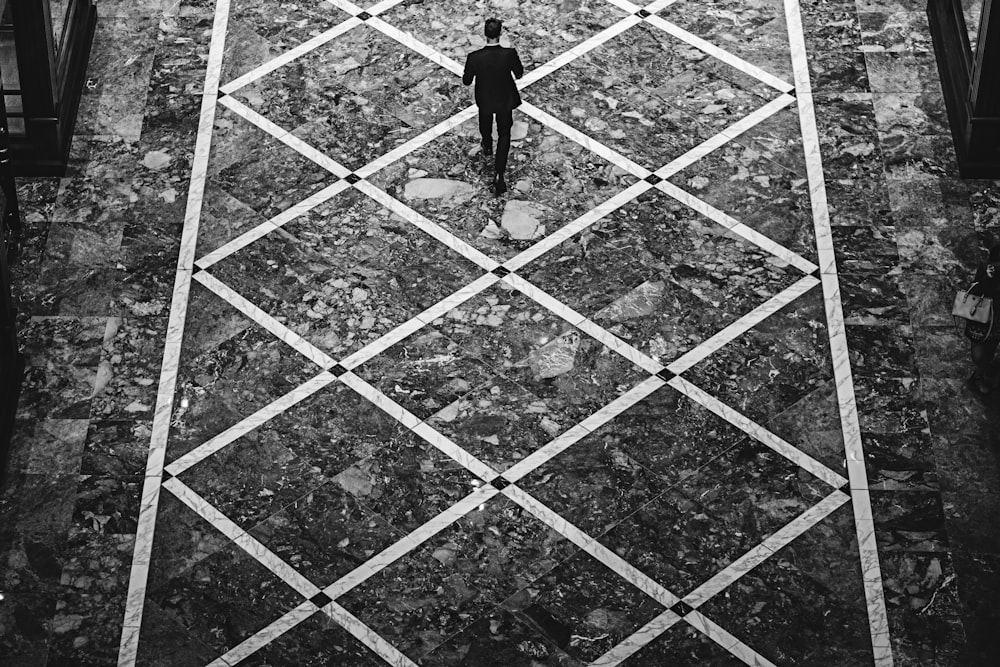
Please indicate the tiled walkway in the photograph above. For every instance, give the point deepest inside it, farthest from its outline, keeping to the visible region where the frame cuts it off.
(303, 391)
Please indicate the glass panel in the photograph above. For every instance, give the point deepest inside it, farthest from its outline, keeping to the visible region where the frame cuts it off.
(58, 9)
(973, 10)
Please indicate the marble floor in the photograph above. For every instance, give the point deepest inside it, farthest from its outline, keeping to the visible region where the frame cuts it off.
(302, 391)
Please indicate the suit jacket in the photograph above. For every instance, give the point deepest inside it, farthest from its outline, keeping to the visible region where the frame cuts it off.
(491, 67)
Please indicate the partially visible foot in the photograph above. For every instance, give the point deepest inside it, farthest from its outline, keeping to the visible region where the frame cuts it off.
(980, 384)
(487, 151)
(499, 186)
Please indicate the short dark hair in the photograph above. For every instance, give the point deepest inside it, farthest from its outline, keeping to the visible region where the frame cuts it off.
(492, 28)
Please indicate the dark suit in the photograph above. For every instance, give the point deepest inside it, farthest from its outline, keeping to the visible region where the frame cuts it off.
(496, 95)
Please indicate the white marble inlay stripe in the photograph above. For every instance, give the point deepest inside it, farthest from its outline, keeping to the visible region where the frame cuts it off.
(770, 546)
(439, 309)
(757, 432)
(723, 638)
(725, 136)
(417, 142)
(625, 5)
(262, 416)
(583, 47)
(367, 636)
(142, 550)
(608, 558)
(274, 223)
(613, 342)
(285, 137)
(416, 45)
(290, 55)
(706, 348)
(730, 59)
(637, 640)
(265, 636)
(420, 428)
(279, 330)
(576, 226)
(567, 439)
(594, 146)
(867, 548)
(657, 5)
(241, 538)
(736, 227)
(421, 534)
(431, 228)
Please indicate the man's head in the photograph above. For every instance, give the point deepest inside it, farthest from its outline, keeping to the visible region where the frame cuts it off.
(492, 28)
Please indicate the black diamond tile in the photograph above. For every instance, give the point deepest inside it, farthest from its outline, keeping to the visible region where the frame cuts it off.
(666, 375)
(653, 179)
(352, 178)
(642, 13)
(682, 608)
(500, 483)
(501, 271)
(364, 16)
(321, 599)
(337, 370)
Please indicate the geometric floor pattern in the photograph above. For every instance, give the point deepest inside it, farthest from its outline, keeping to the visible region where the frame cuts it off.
(522, 325)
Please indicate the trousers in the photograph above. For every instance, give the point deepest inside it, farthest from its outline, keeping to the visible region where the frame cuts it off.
(505, 121)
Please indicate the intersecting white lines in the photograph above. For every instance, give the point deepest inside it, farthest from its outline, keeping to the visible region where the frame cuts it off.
(411, 541)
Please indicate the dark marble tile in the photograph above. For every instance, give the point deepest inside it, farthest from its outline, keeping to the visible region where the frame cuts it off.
(929, 299)
(918, 204)
(318, 641)
(913, 157)
(857, 200)
(868, 249)
(42, 506)
(259, 31)
(596, 483)
(942, 352)
(47, 446)
(902, 72)
(165, 642)
(901, 462)
(116, 447)
(342, 286)
(895, 31)
(890, 405)
(979, 587)
(230, 368)
(973, 521)
(684, 646)
(672, 98)
(849, 140)
(873, 300)
(967, 462)
(838, 72)
(909, 522)
(553, 180)
(107, 505)
(921, 594)
(259, 170)
(92, 244)
(224, 599)
(62, 355)
(86, 626)
(772, 366)
(792, 619)
(830, 25)
(457, 577)
(74, 291)
(325, 534)
(455, 28)
(906, 114)
(940, 249)
(497, 639)
(812, 424)
(878, 350)
(128, 374)
(98, 183)
(954, 408)
(583, 607)
(333, 99)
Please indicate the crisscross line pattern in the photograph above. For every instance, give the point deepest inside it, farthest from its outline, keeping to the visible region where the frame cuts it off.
(168, 475)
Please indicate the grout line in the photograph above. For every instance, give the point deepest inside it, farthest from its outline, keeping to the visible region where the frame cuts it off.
(703, 350)
(142, 552)
(265, 414)
(720, 54)
(854, 449)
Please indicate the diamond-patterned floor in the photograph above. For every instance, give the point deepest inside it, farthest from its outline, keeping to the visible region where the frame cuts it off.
(609, 418)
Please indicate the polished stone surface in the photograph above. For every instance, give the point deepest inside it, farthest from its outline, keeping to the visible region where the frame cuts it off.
(302, 391)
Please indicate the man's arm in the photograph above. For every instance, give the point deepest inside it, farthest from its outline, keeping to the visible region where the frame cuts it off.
(468, 74)
(516, 67)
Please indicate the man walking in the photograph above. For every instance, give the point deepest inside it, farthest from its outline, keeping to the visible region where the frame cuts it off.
(496, 95)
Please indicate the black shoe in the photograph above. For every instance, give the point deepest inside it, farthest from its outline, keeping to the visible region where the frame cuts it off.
(487, 151)
(499, 186)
